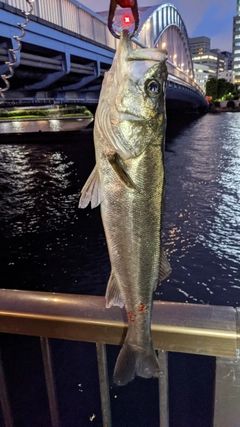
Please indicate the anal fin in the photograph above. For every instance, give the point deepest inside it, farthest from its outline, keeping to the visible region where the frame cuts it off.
(113, 295)
(91, 191)
(165, 267)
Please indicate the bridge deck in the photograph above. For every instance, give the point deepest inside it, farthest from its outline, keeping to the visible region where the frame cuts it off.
(65, 54)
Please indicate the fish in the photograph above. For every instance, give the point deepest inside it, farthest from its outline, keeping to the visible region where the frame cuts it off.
(128, 182)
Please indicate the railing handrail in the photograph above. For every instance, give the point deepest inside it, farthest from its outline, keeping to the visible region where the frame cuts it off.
(179, 327)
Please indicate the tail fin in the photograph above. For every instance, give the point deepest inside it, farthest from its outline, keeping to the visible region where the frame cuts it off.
(133, 360)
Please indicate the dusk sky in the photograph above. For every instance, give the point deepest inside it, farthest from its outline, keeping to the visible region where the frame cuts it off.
(211, 18)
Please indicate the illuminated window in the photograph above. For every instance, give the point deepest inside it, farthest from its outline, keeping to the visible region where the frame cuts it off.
(237, 36)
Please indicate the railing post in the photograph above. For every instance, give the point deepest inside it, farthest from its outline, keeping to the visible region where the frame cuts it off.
(51, 391)
(227, 393)
(61, 12)
(163, 388)
(7, 415)
(104, 385)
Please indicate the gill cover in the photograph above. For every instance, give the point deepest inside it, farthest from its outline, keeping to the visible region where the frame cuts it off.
(123, 97)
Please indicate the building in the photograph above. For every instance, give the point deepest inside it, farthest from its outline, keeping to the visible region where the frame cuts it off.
(199, 45)
(201, 74)
(220, 60)
(228, 75)
(210, 60)
(236, 44)
(228, 60)
(203, 55)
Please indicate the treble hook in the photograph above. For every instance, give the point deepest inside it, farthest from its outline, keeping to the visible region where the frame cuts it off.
(123, 3)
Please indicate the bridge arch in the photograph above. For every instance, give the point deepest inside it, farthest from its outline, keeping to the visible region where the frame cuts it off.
(162, 26)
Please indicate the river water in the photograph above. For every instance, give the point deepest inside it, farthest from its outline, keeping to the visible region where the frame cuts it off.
(50, 245)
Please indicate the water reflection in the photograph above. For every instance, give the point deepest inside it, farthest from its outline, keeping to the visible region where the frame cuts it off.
(35, 185)
(223, 235)
(47, 238)
(202, 219)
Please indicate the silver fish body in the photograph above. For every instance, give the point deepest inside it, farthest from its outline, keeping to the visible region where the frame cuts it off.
(128, 183)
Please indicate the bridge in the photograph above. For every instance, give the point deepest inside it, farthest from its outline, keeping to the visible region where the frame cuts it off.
(67, 49)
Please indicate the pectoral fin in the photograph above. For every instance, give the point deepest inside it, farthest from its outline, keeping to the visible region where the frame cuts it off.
(91, 191)
(119, 167)
(113, 295)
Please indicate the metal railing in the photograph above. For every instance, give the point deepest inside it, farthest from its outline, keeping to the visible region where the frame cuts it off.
(176, 327)
(73, 16)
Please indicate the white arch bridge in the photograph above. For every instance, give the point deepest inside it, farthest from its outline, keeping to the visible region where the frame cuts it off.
(67, 48)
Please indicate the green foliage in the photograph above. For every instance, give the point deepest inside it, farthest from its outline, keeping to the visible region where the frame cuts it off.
(221, 89)
(24, 113)
(211, 87)
(75, 110)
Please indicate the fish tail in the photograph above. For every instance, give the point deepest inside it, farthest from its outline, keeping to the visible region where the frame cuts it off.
(133, 360)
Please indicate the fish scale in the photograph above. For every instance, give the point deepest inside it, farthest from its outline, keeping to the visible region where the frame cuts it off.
(128, 183)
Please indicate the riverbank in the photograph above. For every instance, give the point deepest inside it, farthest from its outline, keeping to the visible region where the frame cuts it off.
(31, 130)
(43, 112)
(53, 117)
(223, 110)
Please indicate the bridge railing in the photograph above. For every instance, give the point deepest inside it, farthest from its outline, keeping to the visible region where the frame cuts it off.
(188, 81)
(187, 328)
(71, 15)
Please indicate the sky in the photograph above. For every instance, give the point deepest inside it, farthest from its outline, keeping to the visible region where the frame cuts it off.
(210, 18)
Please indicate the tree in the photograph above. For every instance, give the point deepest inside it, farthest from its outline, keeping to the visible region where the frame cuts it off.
(236, 91)
(211, 87)
(221, 88)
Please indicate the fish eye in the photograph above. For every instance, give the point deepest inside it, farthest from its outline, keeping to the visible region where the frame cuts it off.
(153, 87)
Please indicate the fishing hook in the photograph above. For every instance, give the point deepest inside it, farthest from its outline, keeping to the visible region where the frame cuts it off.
(123, 3)
(10, 64)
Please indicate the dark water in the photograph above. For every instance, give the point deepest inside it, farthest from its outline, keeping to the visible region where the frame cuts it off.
(50, 245)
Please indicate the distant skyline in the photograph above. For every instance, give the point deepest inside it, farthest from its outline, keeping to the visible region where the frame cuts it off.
(210, 18)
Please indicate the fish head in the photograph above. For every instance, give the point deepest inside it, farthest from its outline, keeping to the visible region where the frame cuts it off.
(135, 92)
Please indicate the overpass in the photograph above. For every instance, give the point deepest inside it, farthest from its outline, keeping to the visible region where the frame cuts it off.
(67, 48)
